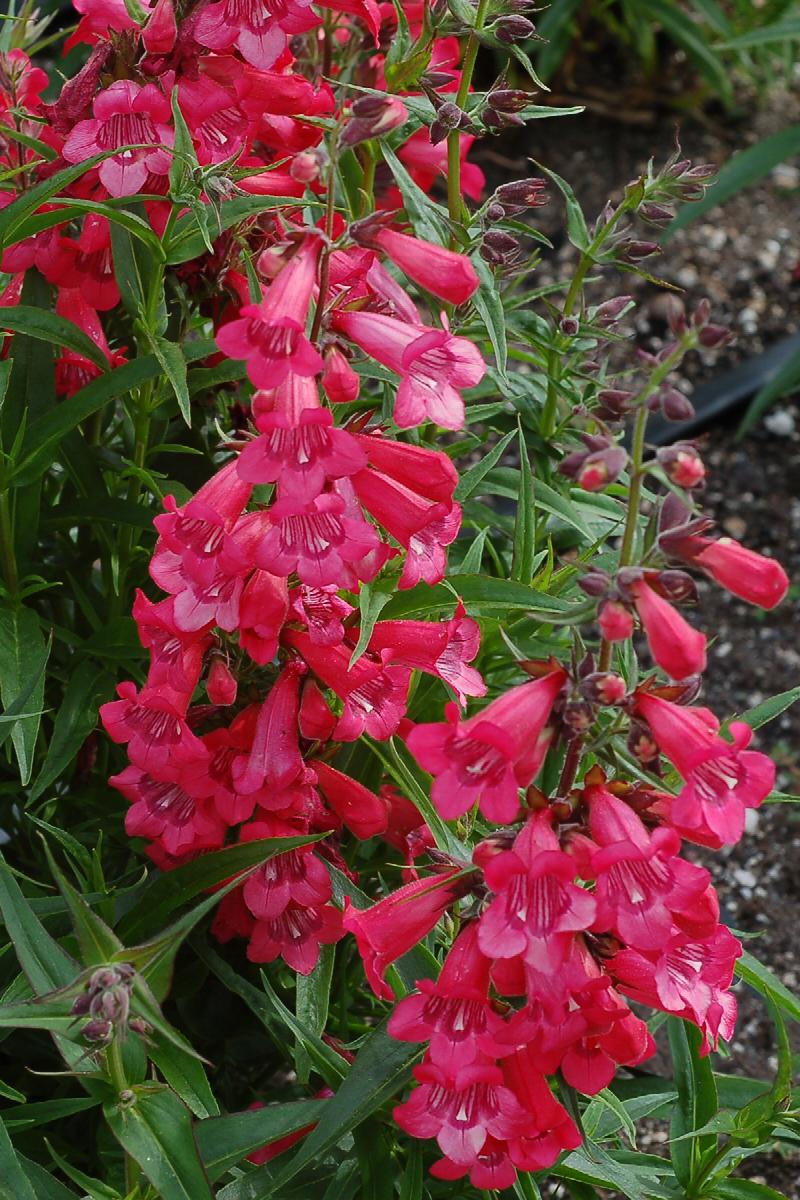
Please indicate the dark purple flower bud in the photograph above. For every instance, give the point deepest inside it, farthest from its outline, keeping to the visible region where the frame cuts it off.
(81, 1005)
(508, 100)
(495, 212)
(509, 30)
(675, 170)
(578, 715)
(656, 214)
(569, 326)
(614, 401)
(633, 251)
(140, 1026)
(642, 745)
(714, 336)
(76, 96)
(611, 310)
(677, 586)
(595, 582)
(100, 1032)
(437, 79)
(676, 316)
(499, 247)
(523, 193)
(701, 171)
(702, 313)
(675, 406)
(372, 116)
(450, 115)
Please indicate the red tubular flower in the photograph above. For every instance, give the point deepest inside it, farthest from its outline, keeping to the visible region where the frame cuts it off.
(434, 366)
(463, 1109)
(262, 612)
(164, 812)
(678, 649)
(275, 757)
(615, 621)
(750, 576)
(688, 979)
(258, 33)
(422, 526)
(125, 115)
(393, 926)
(374, 695)
(322, 611)
(152, 725)
(297, 877)
(722, 779)
(642, 887)
(271, 335)
(440, 649)
(221, 683)
(364, 813)
(321, 541)
(454, 1013)
(441, 272)
(300, 457)
(488, 757)
(340, 382)
(538, 908)
(176, 658)
(161, 30)
(429, 473)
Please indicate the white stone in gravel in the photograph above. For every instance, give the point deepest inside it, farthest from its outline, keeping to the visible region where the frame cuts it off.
(780, 422)
(745, 878)
(751, 819)
(687, 277)
(786, 176)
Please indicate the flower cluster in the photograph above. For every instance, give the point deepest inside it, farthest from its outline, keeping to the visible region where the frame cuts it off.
(268, 657)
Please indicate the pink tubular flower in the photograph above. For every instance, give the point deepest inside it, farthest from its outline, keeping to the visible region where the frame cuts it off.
(423, 527)
(364, 813)
(320, 541)
(176, 657)
(271, 335)
(429, 473)
(322, 611)
(374, 694)
(295, 935)
(275, 757)
(259, 33)
(296, 877)
(162, 811)
(161, 30)
(537, 908)
(454, 1013)
(488, 757)
(750, 576)
(678, 649)
(125, 115)
(689, 979)
(642, 885)
(440, 649)
(615, 621)
(434, 366)
(441, 272)
(462, 1109)
(221, 684)
(550, 1130)
(393, 926)
(301, 457)
(340, 382)
(722, 779)
(152, 725)
(263, 609)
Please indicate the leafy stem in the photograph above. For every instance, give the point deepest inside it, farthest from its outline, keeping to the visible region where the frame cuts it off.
(454, 203)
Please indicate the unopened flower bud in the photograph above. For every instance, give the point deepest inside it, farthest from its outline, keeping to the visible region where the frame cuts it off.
(642, 745)
(98, 1031)
(676, 316)
(594, 582)
(499, 247)
(372, 116)
(675, 406)
(81, 1005)
(140, 1026)
(578, 715)
(702, 314)
(161, 30)
(610, 311)
(656, 214)
(677, 586)
(495, 212)
(450, 115)
(615, 621)
(682, 464)
(569, 326)
(305, 167)
(340, 382)
(604, 687)
(507, 100)
(613, 402)
(633, 251)
(221, 685)
(714, 336)
(509, 30)
(522, 193)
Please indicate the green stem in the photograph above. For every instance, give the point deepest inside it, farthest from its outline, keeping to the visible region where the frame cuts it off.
(9, 560)
(115, 1070)
(454, 203)
(325, 262)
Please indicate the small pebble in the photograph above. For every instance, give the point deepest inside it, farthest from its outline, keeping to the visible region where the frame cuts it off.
(781, 422)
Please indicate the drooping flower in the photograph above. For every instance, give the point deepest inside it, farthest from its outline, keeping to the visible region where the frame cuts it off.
(162, 810)
(396, 924)
(259, 33)
(434, 366)
(442, 272)
(301, 457)
(488, 757)
(362, 811)
(678, 649)
(271, 336)
(722, 778)
(440, 649)
(750, 576)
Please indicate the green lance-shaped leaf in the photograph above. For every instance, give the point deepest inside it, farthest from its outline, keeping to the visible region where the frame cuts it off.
(155, 1128)
(696, 1104)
